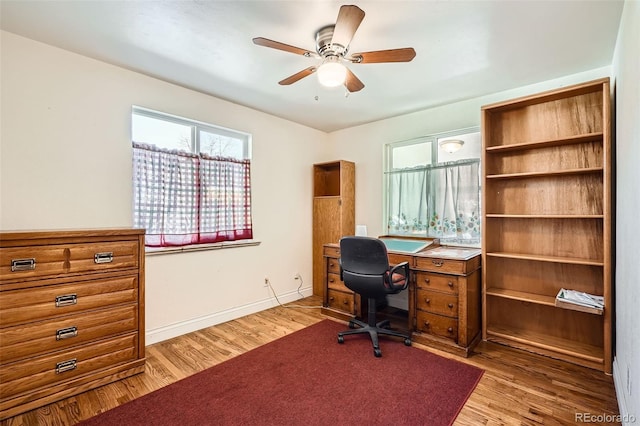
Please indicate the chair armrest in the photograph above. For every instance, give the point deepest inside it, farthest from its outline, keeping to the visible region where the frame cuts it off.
(401, 269)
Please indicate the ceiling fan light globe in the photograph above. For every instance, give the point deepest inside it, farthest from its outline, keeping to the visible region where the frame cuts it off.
(331, 74)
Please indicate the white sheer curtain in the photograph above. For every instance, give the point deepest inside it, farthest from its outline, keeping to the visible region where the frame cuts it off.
(439, 201)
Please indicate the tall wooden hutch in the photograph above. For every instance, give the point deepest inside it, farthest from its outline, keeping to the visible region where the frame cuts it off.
(333, 211)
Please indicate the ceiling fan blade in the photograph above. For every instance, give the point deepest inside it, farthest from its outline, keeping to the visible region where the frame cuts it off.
(261, 41)
(349, 19)
(392, 55)
(353, 83)
(297, 76)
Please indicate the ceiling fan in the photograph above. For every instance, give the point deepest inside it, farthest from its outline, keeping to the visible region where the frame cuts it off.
(332, 46)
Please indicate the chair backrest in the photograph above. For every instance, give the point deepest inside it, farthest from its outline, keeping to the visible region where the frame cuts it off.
(363, 255)
(364, 264)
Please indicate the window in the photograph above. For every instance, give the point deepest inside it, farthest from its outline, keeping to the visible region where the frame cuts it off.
(433, 193)
(191, 181)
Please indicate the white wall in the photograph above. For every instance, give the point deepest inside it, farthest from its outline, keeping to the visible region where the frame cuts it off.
(626, 72)
(66, 163)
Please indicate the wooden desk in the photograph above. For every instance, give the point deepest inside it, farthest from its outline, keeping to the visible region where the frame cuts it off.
(444, 309)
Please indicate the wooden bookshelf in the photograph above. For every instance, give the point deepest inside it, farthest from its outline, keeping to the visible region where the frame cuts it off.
(547, 221)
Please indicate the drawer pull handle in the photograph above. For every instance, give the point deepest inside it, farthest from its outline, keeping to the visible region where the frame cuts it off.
(66, 300)
(450, 305)
(63, 366)
(438, 262)
(105, 257)
(450, 329)
(426, 324)
(427, 300)
(450, 284)
(332, 298)
(23, 264)
(331, 280)
(345, 302)
(426, 280)
(66, 333)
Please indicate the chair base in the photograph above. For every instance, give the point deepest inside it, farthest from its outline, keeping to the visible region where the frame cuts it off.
(374, 330)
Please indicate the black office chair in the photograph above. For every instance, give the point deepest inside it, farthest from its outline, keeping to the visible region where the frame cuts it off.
(364, 268)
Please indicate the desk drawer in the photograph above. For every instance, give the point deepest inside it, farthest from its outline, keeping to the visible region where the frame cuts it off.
(437, 325)
(48, 370)
(60, 259)
(395, 259)
(332, 251)
(437, 303)
(333, 265)
(38, 303)
(56, 334)
(444, 283)
(443, 266)
(340, 301)
(335, 283)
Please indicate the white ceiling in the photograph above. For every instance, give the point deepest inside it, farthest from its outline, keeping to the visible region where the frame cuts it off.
(464, 49)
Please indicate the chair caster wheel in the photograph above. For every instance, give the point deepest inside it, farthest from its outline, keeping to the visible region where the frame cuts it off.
(407, 342)
(340, 339)
(377, 352)
(352, 324)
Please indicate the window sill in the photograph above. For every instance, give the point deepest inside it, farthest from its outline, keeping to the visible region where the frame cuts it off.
(154, 251)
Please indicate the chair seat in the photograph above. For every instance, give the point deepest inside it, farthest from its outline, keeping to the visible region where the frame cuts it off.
(396, 280)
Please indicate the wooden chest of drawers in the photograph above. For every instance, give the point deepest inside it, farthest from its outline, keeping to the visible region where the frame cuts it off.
(71, 313)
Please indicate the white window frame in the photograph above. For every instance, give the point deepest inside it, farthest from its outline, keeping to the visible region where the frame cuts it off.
(388, 161)
(196, 125)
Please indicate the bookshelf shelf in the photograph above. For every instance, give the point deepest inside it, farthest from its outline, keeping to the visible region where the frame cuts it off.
(589, 137)
(544, 174)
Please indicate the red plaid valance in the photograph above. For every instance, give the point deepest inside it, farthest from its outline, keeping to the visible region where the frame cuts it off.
(182, 198)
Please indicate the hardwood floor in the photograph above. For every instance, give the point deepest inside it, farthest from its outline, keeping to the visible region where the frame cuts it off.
(517, 387)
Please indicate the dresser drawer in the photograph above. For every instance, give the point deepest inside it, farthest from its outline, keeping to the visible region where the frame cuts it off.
(444, 283)
(437, 303)
(61, 259)
(48, 370)
(340, 301)
(437, 325)
(335, 283)
(333, 265)
(37, 303)
(56, 334)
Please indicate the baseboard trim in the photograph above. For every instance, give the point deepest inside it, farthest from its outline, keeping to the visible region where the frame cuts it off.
(174, 330)
(619, 381)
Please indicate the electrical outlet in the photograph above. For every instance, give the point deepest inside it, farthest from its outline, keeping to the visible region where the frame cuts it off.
(266, 281)
(296, 276)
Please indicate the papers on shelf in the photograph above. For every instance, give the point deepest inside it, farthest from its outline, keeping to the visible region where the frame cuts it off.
(580, 301)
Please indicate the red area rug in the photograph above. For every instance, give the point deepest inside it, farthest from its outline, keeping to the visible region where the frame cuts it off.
(307, 378)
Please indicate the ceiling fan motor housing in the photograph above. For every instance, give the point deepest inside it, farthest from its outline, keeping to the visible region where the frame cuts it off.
(324, 47)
